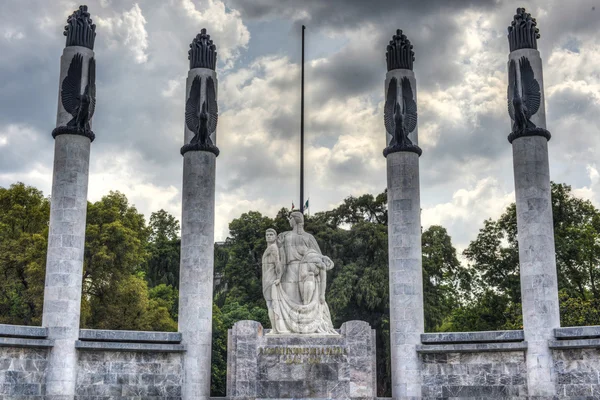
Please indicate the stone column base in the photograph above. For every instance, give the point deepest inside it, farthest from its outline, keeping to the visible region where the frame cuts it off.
(260, 365)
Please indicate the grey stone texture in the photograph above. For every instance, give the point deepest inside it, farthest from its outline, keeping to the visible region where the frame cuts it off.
(474, 375)
(574, 344)
(577, 373)
(22, 373)
(472, 347)
(129, 375)
(100, 335)
(64, 263)
(472, 337)
(25, 342)
(539, 287)
(20, 331)
(260, 365)
(196, 270)
(577, 332)
(129, 346)
(405, 270)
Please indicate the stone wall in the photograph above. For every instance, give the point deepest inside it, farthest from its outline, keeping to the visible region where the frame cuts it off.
(129, 365)
(115, 365)
(22, 373)
(23, 362)
(464, 375)
(128, 374)
(577, 372)
(473, 365)
(576, 355)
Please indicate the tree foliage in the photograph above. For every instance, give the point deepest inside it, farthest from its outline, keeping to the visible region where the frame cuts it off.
(24, 215)
(494, 258)
(163, 249)
(115, 293)
(444, 278)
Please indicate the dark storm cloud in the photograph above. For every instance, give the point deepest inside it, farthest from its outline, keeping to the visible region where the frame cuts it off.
(25, 146)
(346, 13)
(574, 123)
(28, 67)
(283, 124)
(467, 149)
(569, 101)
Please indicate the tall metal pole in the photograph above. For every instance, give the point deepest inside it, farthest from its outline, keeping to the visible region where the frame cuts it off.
(302, 130)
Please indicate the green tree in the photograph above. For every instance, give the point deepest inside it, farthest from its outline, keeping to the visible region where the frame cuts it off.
(494, 256)
(577, 311)
(490, 311)
(115, 294)
(166, 296)
(164, 250)
(24, 215)
(128, 306)
(444, 278)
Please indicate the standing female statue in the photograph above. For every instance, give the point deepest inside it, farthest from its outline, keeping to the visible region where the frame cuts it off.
(297, 295)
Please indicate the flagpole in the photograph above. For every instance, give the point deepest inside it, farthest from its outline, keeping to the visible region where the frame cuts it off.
(302, 130)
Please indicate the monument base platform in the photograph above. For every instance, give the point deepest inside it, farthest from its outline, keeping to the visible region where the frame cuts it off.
(260, 365)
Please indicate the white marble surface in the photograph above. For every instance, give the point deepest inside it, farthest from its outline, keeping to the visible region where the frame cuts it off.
(196, 271)
(405, 269)
(64, 262)
(539, 289)
(295, 280)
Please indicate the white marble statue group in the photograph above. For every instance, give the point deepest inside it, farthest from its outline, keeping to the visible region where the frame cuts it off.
(294, 277)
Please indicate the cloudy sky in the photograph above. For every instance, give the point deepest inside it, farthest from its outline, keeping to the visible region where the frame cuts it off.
(461, 53)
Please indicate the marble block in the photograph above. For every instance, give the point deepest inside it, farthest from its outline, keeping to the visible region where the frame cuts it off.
(260, 365)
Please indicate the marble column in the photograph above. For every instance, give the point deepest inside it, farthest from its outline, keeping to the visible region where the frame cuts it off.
(404, 219)
(66, 238)
(537, 259)
(197, 220)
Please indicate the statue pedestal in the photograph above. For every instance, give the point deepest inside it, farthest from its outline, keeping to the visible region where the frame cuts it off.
(260, 365)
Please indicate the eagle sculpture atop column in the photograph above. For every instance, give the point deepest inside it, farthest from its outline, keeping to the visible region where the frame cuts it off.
(400, 112)
(78, 87)
(525, 82)
(201, 109)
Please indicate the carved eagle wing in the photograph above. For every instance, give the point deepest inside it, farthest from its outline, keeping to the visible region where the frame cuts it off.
(192, 106)
(90, 89)
(390, 104)
(512, 81)
(410, 106)
(71, 86)
(212, 107)
(530, 87)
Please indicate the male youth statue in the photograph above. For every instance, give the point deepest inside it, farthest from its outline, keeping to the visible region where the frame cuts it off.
(271, 276)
